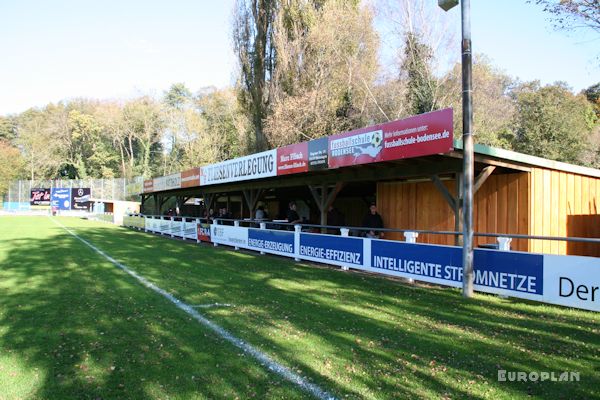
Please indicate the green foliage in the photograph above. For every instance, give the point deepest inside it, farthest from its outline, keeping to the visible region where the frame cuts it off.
(92, 150)
(177, 96)
(8, 128)
(593, 95)
(552, 123)
(420, 82)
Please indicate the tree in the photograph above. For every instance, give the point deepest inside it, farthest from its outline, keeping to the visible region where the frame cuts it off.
(552, 122)
(92, 153)
(44, 154)
(177, 96)
(143, 124)
(593, 95)
(11, 165)
(8, 128)
(253, 45)
(421, 85)
(326, 68)
(494, 108)
(573, 14)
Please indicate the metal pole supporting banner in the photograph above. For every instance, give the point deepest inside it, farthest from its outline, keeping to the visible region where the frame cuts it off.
(468, 174)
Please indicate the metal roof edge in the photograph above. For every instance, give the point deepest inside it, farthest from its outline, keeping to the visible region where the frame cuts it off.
(529, 159)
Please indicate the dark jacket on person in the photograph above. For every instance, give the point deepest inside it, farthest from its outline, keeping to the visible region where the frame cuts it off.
(372, 221)
(292, 215)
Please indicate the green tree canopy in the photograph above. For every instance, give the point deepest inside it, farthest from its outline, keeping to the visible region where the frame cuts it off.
(552, 122)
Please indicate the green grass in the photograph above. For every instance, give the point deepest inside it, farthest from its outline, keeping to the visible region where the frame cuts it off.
(74, 326)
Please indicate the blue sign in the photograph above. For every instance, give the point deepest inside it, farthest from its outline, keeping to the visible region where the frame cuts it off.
(275, 241)
(337, 249)
(521, 272)
(61, 198)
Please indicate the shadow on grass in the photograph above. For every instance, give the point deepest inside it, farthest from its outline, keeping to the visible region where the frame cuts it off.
(360, 336)
(92, 332)
(372, 337)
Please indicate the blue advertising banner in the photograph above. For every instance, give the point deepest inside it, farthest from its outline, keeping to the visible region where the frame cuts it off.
(331, 249)
(61, 198)
(518, 272)
(566, 280)
(279, 242)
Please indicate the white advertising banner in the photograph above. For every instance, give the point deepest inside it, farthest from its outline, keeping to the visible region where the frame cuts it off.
(190, 229)
(168, 182)
(229, 235)
(254, 166)
(572, 281)
(176, 228)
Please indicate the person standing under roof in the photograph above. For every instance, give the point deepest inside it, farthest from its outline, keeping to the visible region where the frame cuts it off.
(373, 220)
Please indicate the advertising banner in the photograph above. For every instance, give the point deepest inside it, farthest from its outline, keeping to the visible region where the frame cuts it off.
(495, 271)
(572, 281)
(168, 182)
(176, 228)
(190, 178)
(423, 134)
(134, 221)
(189, 230)
(164, 226)
(229, 235)
(329, 249)
(148, 185)
(254, 166)
(39, 197)
(61, 199)
(204, 232)
(80, 198)
(292, 159)
(271, 241)
(318, 154)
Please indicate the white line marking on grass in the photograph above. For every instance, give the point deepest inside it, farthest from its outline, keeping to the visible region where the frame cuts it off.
(261, 357)
(212, 305)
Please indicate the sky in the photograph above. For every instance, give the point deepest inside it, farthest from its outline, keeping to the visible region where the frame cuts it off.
(55, 50)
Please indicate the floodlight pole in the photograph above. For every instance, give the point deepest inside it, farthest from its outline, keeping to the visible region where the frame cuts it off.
(467, 149)
(467, 115)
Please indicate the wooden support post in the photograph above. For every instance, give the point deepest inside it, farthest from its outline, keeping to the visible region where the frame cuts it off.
(209, 199)
(156, 204)
(453, 201)
(324, 197)
(482, 177)
(252, 196)
(458, 209)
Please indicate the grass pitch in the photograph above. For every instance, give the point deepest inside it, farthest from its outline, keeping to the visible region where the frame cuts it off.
(73, 326)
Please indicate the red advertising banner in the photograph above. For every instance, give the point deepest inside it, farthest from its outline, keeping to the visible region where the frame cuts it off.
(204, 232)
(148, 185)
(421, 135)
(292, 159)
(190, 178)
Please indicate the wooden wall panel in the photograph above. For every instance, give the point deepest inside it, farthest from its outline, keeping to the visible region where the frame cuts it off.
(565, 204)
(500, 206)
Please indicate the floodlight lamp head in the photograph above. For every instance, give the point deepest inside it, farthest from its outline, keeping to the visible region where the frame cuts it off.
(447, 4)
